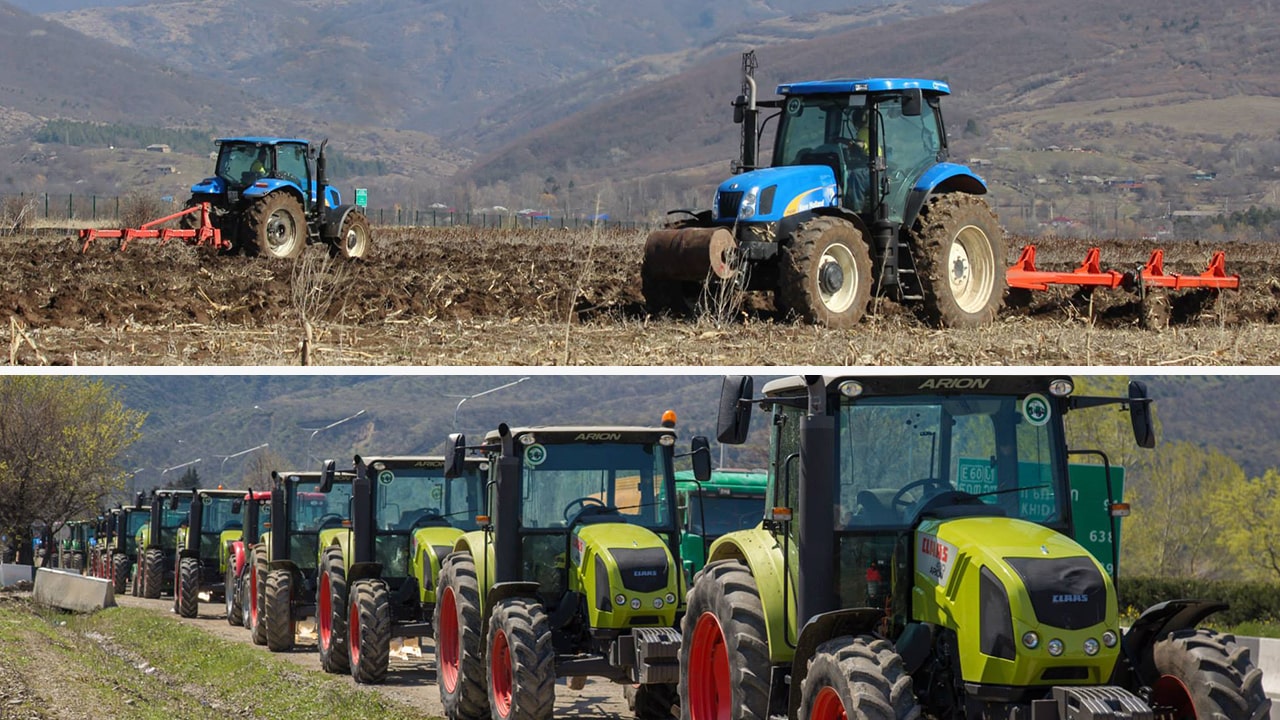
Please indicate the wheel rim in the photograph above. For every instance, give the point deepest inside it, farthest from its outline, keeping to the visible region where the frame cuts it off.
(227, 584)
(354, 242)
(971, 269)
(827, 706)
(281, 230)
(325, 621)
(253, 597)
(1171, 692)
(709, 671)
(837, 278)
(447, 641)
(500, 669)
(353, 634)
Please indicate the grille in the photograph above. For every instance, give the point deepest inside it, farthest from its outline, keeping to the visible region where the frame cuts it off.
(1067, 593)
(643, 570)
(729, 202)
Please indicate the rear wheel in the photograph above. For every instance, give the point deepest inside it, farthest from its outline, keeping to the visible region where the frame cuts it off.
(522, 677)
(724, 664)
(824, 275)
(960, 255)
(277, 226)
(278, 611)
(1206, 674)
(119, 573)
(257, 597)
(355, 237)
(460, 672)
(331, 612)
(186, 596)
(369, 631)
(859, 677)
(152, 574)
(231, 589)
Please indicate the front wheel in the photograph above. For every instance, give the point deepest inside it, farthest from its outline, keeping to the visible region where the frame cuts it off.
(369, 631)
(331, 612)
(860, 677)
(354, 238)
(1206, 674)
(724, 661)
(257, 597)
(277, 226)
(119, 573)
(152, 574)
(231, 589)
(278, 611)
(187, 594)
(824, 275)
(459, 640)
(522, 677)
(960, 255)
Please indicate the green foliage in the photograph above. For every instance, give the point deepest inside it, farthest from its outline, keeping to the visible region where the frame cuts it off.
(88, 134)
(1256, 602)
(1247, 516)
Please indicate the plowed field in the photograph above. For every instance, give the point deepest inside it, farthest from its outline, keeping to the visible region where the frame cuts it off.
(555, 297)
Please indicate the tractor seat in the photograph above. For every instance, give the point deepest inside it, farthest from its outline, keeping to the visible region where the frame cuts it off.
(875, 507)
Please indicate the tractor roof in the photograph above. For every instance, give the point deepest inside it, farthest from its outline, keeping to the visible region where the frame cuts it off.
(585, 433)
(222, 492)
(863, 85)
(920, 384)
(256, 140)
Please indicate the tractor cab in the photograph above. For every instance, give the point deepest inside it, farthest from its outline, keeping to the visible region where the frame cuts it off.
(212, 526)
(730, 500)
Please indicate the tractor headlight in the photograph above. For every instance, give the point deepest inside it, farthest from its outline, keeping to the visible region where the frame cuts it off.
(851, 388)
(1030, 640)
(671, 598)
(1090, 647)
(1061, 387)
(1109, 639)
(667, 440)
(527, 439)
(1055, 647)
(620, 599)
(747, 209)
(635, 603)
(657, 603)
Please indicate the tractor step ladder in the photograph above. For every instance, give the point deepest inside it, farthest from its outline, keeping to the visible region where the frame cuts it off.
(205, 234)
(1023, 274)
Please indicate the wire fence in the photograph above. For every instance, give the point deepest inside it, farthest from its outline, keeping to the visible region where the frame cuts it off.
(29, 209)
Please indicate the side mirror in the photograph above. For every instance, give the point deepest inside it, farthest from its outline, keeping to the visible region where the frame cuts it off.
(739, 109)
(1144, 431)
(173, 502)
(700, 448)
(236, 506)
(912, 100)
(455, 458)
(734, 421)
(326, 475)
(139, 499)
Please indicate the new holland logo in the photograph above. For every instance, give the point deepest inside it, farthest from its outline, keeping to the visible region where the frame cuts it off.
(1070, 599)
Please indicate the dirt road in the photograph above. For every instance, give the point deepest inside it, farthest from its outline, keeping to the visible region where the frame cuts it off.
(412, 676)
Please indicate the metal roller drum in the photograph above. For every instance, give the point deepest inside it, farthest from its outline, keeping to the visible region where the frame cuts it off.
(690, 253)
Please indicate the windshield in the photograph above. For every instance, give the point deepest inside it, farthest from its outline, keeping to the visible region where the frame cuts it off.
(896, 453)
(215, 518)
(413, 497)
(723, 514)
(311, 510)
(241, 164)
(560, 480)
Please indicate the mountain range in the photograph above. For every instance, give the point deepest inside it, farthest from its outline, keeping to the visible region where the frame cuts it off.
(568, 101)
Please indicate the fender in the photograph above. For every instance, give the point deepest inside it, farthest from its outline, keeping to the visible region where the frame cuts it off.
(267, 185)
(479, 546)
(941, 178)
(1154, 624)
(335, 216)
(238, 554)
(363, 571)
(427, 547)
(760, 551)
(819, 629)
(289, 565)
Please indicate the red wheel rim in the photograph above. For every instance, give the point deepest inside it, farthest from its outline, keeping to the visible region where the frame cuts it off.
(710, 693)
(827, 706)
(447, 645)
(500, 669)
(325, 621)
(1171, 692)
(253, 597)
(353, 632)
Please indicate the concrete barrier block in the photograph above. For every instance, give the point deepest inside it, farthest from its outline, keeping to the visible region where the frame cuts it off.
(72, 591)
(11, 574)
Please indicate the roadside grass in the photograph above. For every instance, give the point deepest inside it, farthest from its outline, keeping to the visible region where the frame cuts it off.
(130, 662)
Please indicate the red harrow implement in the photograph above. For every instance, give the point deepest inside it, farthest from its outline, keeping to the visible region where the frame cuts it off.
(1023, 274)
(204, 234)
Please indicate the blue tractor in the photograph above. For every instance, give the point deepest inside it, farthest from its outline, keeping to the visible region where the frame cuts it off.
(264, 198)
(860, 199)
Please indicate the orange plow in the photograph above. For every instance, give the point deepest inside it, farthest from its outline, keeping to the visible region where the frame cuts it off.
(204, 234)
(1023, 274)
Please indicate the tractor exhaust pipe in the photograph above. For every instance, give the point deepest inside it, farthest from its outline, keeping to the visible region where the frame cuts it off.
(322, 183)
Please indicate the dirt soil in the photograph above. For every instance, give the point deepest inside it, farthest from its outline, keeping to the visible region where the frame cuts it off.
(412, 675)
(469, 296)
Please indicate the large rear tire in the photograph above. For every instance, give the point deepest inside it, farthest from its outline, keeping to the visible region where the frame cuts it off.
(331, 612)
(1205, 675)
(369, 631)
(119, 573)
(354, 237)
(460, 672)
(858, 677)
(152, 574)
(277, 226)
(231, 591)
(257, 597)
(521, 662)
(279, 611)
(724, 661)
(960, 254)
(824, 275)
(186, 596)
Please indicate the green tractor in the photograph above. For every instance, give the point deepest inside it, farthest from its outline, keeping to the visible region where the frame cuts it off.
(305, 517)
(157, 542)
(74, 548)
(203, 547)
(120, 547)
(575, 573)
(256, 519)
(879, 587)
(405, 518)
(729, 500)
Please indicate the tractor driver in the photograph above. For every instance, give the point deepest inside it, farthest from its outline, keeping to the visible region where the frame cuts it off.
(855, 145)
(259, 166)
